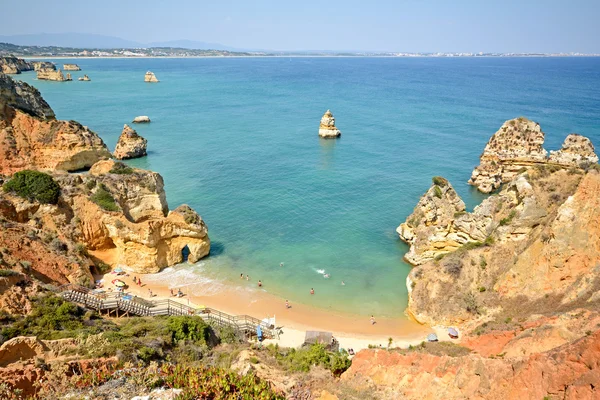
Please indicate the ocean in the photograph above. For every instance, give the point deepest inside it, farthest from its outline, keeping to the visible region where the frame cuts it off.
(236, 139)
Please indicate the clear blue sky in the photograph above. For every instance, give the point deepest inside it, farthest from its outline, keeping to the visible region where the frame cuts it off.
(400, 25)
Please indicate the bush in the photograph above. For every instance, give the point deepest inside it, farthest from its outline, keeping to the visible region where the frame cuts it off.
(437, 192)
(188, 328)
(453, 266)
(90, 184)
(34, 186)
(301, 360)
(471, 245)
(104, 199)
(7, 273)
(439, 181)
(120, 168)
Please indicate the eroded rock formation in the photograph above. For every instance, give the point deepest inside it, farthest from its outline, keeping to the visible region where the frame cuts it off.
(518, 144)
(50, 75)
(130, 145)
(30, 137)
(327, 127)
(39, 65)
(71, 67)
(150, 77)
(141, 119)
(84, 78)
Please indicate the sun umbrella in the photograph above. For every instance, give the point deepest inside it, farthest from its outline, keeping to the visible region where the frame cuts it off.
(119, 283)
(432, 337)
(452, 332)
(118, 269)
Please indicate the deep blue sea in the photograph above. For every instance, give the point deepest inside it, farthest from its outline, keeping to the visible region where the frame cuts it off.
(236, 138)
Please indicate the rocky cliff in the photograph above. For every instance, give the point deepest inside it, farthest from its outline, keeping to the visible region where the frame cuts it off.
(150, 77)
(518, 144)
(39, 65)
(14, 65)
(50, 75)
(327, 127)
(130, 144)
(30, 137)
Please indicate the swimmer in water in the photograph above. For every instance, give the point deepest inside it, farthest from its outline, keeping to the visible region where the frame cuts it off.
(259, 283)
(281, 264)
(343, 283)
(326, 276)
(287, 304)
(241, 276)
(312, 291)
(247, 278)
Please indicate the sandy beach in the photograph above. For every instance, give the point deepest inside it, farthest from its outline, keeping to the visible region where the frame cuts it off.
(352, 331)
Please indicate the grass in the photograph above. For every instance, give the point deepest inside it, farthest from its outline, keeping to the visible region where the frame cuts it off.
(104, 199)
(121, 168)
(8, 272)
(437, 192)
(507, 220)
(301, 360)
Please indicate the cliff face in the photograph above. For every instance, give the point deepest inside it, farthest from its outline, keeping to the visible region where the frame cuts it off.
(130, 144)
(30, 137)
(519, 143)
(39, 65)
(142, 233)
(14, 65)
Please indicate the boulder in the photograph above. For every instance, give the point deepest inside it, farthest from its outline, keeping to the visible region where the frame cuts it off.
(130, 145)
(141, 119)
(150, 77)
(327, 127)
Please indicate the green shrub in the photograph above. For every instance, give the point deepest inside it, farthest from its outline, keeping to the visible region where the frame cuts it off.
(90, 184)
(120, 168)
(437, 192)
(439, 181)
(482, 262)
(481, 289)
(8, 272)
(104, 199)
(301, 360)
(471, 245)
(507, 220)
(459, 214)
(489, 241)
(188, 328)
(34, 186)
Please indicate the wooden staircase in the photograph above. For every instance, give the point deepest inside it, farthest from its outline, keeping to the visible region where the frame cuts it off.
(120, 305)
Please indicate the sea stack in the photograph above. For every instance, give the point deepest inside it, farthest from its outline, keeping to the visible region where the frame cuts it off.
(327, 128)
(39, 65)
(150, 77)
(130, 144)
(71, 67)
(46, 74)
(84, 78)
(142, 119)
(69, 77)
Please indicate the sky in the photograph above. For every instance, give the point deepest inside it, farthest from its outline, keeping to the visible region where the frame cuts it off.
(386, 25)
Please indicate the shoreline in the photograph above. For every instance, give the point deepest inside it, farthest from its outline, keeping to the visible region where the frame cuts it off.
(352, 331)
(46, 57)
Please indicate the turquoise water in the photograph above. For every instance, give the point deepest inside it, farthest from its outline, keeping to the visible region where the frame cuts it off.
(237, 140)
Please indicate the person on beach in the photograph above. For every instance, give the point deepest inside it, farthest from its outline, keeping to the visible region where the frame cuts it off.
(287, 304)
(259, 283)
(372, 320)
(134, 279)
(139, 282)
(172, 294)
(312, 291)
(150, 292)
(179, 293)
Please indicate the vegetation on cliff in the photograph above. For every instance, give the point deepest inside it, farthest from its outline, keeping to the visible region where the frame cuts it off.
(34, 186)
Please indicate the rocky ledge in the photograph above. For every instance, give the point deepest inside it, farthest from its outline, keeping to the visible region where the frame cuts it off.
(150, 77)
(130, 145)
(327, 127)
(142, 119)
(31, 137)
(518, 144)
(71, 67)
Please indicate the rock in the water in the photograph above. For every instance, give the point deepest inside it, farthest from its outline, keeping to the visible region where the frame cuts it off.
(150, 77)
(68, 77)
(576, 151)
(130, 145)
(84, 78)
(141, 119)
(50, 75)
(39, 65)
(327, 127)
(31, 138)
(71, 67)
(519, 144)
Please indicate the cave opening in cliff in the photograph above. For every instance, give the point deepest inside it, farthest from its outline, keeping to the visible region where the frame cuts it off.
(185, 253)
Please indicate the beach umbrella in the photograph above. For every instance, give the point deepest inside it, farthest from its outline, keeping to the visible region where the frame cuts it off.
(119, 283)
(452, 332)
(432, 337)
(118, 269)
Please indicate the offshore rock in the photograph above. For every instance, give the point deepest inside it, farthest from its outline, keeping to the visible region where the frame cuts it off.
(150, 77)
(576, 151)
(30, 137)
(141, 119)
(50, 75)
(130, 145)
(517, 144)
(39, 65)
(327, 127)
(84, 78)
(71, 67)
